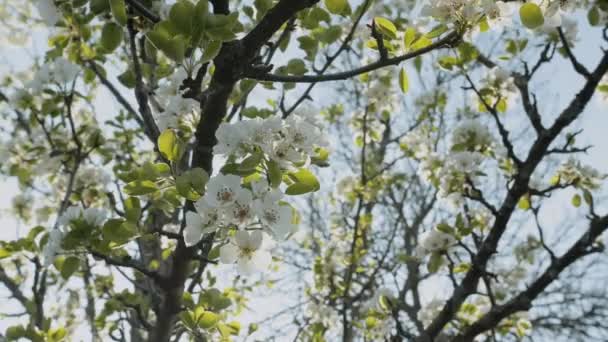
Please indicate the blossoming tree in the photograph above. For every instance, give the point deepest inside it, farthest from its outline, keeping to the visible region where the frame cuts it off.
(389, 162)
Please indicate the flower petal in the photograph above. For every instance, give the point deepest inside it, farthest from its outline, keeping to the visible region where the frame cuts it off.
(228, 253)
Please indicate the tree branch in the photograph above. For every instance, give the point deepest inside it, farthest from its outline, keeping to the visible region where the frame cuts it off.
(523, 301)
(449, 39)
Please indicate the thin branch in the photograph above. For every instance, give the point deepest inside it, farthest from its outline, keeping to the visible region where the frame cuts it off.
(448, 40)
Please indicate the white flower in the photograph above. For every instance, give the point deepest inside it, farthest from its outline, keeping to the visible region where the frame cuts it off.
(498, 13)
(53, 246)
(223, 190)
(205, 221)
(69, 215)
(285, 153)
(194, 230)
(263, 133)
(260, 188)
(249, 250)
(435, 240)
(241, 212)
(302, 134)
(64, 71)
(60, 71)
(324, 314)
(278, 218)
(230, 136)
(48, 11)
(471, 135)
(94, 216)
(465, 162)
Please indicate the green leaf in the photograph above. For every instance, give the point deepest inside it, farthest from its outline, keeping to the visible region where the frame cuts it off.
(435, 262)
(437, 31)
(69, 266)
(304, 182)
(118, 231)
(404, 83)
(111, 37)
(132, 209)
(127, 78)
(211, 50)
(337, 6)
(593, 16)
(320, 158)
(531, 15)
(296, 66)
(524, 202)
(421, 42)
(386, 27)
(119, 11)
(484, 26)
(198, 179)
(275, 175)
(181, 16)
(182, 184)
(176, 49)
(409, 37)
(4, 253)
(99, 6)
(207, 319)
(232, 328)
(588, 197)
(576, 200)
(170, 145)
(140, 187)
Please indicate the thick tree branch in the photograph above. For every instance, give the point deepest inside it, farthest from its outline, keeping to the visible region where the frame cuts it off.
(143, 10)
(523, 301)
(575, 63)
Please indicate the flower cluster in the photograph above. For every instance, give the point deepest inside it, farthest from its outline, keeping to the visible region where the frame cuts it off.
(434, 240)
(92, 217)
(60, 72)
(48, 12)
(456, 172)
(174, 109)
(254, 209)
(288, 142)
(227, 204)
(471, 135)
(581, 176)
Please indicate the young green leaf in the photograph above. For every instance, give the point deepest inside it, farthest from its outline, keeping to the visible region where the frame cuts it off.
(386, 27)
(170, 145)
(336, 6)
(119, 11)
(304, 182)
(404, 83)
(111, 36)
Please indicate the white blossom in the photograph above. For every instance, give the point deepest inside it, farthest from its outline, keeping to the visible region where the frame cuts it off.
(250, 251)
(53, 245)
(276, 217)
(48, 12)
(223, 190)
(435, 240)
